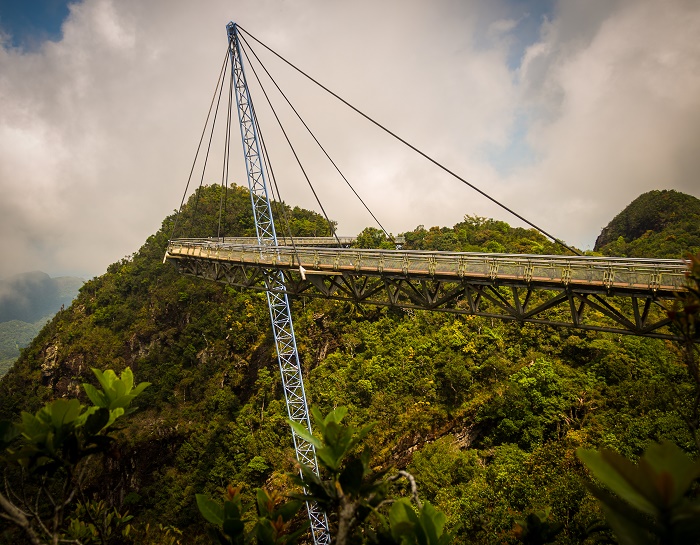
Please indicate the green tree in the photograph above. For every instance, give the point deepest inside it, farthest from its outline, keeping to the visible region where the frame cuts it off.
(51, 453)
(685, 316)
(371, 237)
(649, 504)
(354, 496)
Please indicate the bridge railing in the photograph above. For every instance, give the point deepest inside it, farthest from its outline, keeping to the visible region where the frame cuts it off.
(344, 241)
(657, 275)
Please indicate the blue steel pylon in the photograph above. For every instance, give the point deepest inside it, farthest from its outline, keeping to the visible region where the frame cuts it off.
(280, 312)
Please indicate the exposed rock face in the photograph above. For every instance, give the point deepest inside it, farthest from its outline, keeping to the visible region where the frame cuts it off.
(50, 364)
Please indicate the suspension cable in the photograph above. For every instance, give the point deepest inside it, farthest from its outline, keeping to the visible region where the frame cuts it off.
(227, 157)
(291, 147)
(206, 157)
(316, 139)
(411, 146)
(277, 203)
(201, 139)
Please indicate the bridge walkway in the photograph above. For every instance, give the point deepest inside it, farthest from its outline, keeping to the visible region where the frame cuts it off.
(618, 295)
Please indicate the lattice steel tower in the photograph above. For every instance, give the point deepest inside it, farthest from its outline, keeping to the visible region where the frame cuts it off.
(280, 312)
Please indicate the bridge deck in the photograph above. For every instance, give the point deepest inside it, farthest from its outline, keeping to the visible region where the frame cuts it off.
(597, 293)
(660, 277)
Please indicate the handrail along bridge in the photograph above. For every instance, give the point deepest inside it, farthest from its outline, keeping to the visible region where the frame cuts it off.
(521, 288)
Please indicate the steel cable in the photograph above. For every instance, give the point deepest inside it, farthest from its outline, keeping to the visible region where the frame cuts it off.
(414, 148)
(291, 147)
(316, 139)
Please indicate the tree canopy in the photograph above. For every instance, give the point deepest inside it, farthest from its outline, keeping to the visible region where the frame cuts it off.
(656, 224)
(486, 415)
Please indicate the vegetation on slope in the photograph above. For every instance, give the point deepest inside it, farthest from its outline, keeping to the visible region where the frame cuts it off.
(656, 224)
(27, 302)
(31, 296)
(486, 414)
(15, 335)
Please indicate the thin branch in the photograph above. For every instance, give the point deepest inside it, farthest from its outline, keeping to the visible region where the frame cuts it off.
(414, 487)
(45, 490)
(35, 515)
(10, 492)
(23, 482)
(18, 518)
(35, 511)
(78, 485)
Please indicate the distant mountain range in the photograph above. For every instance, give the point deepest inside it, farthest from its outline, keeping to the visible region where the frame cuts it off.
(30, 296)
(27, 302)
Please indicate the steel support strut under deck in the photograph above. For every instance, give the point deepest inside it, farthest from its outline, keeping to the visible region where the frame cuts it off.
(280, 312)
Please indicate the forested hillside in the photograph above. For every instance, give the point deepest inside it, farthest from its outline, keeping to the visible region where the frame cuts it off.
(656, 224)
(15, 335)
(34, 295)
(27, 302)
(485, 414)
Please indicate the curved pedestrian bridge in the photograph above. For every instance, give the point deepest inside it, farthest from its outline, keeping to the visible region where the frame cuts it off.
(600, 293)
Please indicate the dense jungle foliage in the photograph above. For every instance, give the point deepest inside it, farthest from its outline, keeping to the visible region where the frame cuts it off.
(487, 415)
(656, 224)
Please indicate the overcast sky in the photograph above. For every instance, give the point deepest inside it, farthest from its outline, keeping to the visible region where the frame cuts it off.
(566, 111)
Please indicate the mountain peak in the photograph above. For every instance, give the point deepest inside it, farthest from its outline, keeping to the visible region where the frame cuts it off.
(659, 223)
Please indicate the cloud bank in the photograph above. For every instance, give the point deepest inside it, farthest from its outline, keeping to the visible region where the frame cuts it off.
(566, 116)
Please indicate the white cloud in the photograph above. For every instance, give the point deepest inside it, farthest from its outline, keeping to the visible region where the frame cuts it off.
(97, 131)
(622, 110)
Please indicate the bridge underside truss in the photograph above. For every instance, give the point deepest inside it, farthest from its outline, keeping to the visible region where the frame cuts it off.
(590, 307)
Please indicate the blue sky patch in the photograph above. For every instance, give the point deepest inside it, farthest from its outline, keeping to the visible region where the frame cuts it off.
(27, 24)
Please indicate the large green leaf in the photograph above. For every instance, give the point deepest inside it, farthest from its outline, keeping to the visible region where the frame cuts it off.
(140, 387)
(302, 432)
(433, 521)
(264, 502)
(114, 414)
(8, 432)
(627, 531)
(641, 477)
(287, 510)
(96, 421)
(335, 416)
(627, 485)
(96, 396)
(686, 523)
(105, 379)
(233, 509)
(233, 528)
(63, 412)
(210, 510)
(32, 427)
(674, 469)
(351, 477)
(117, 392)
(122, 401)
(403, 520)
(127, 378)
